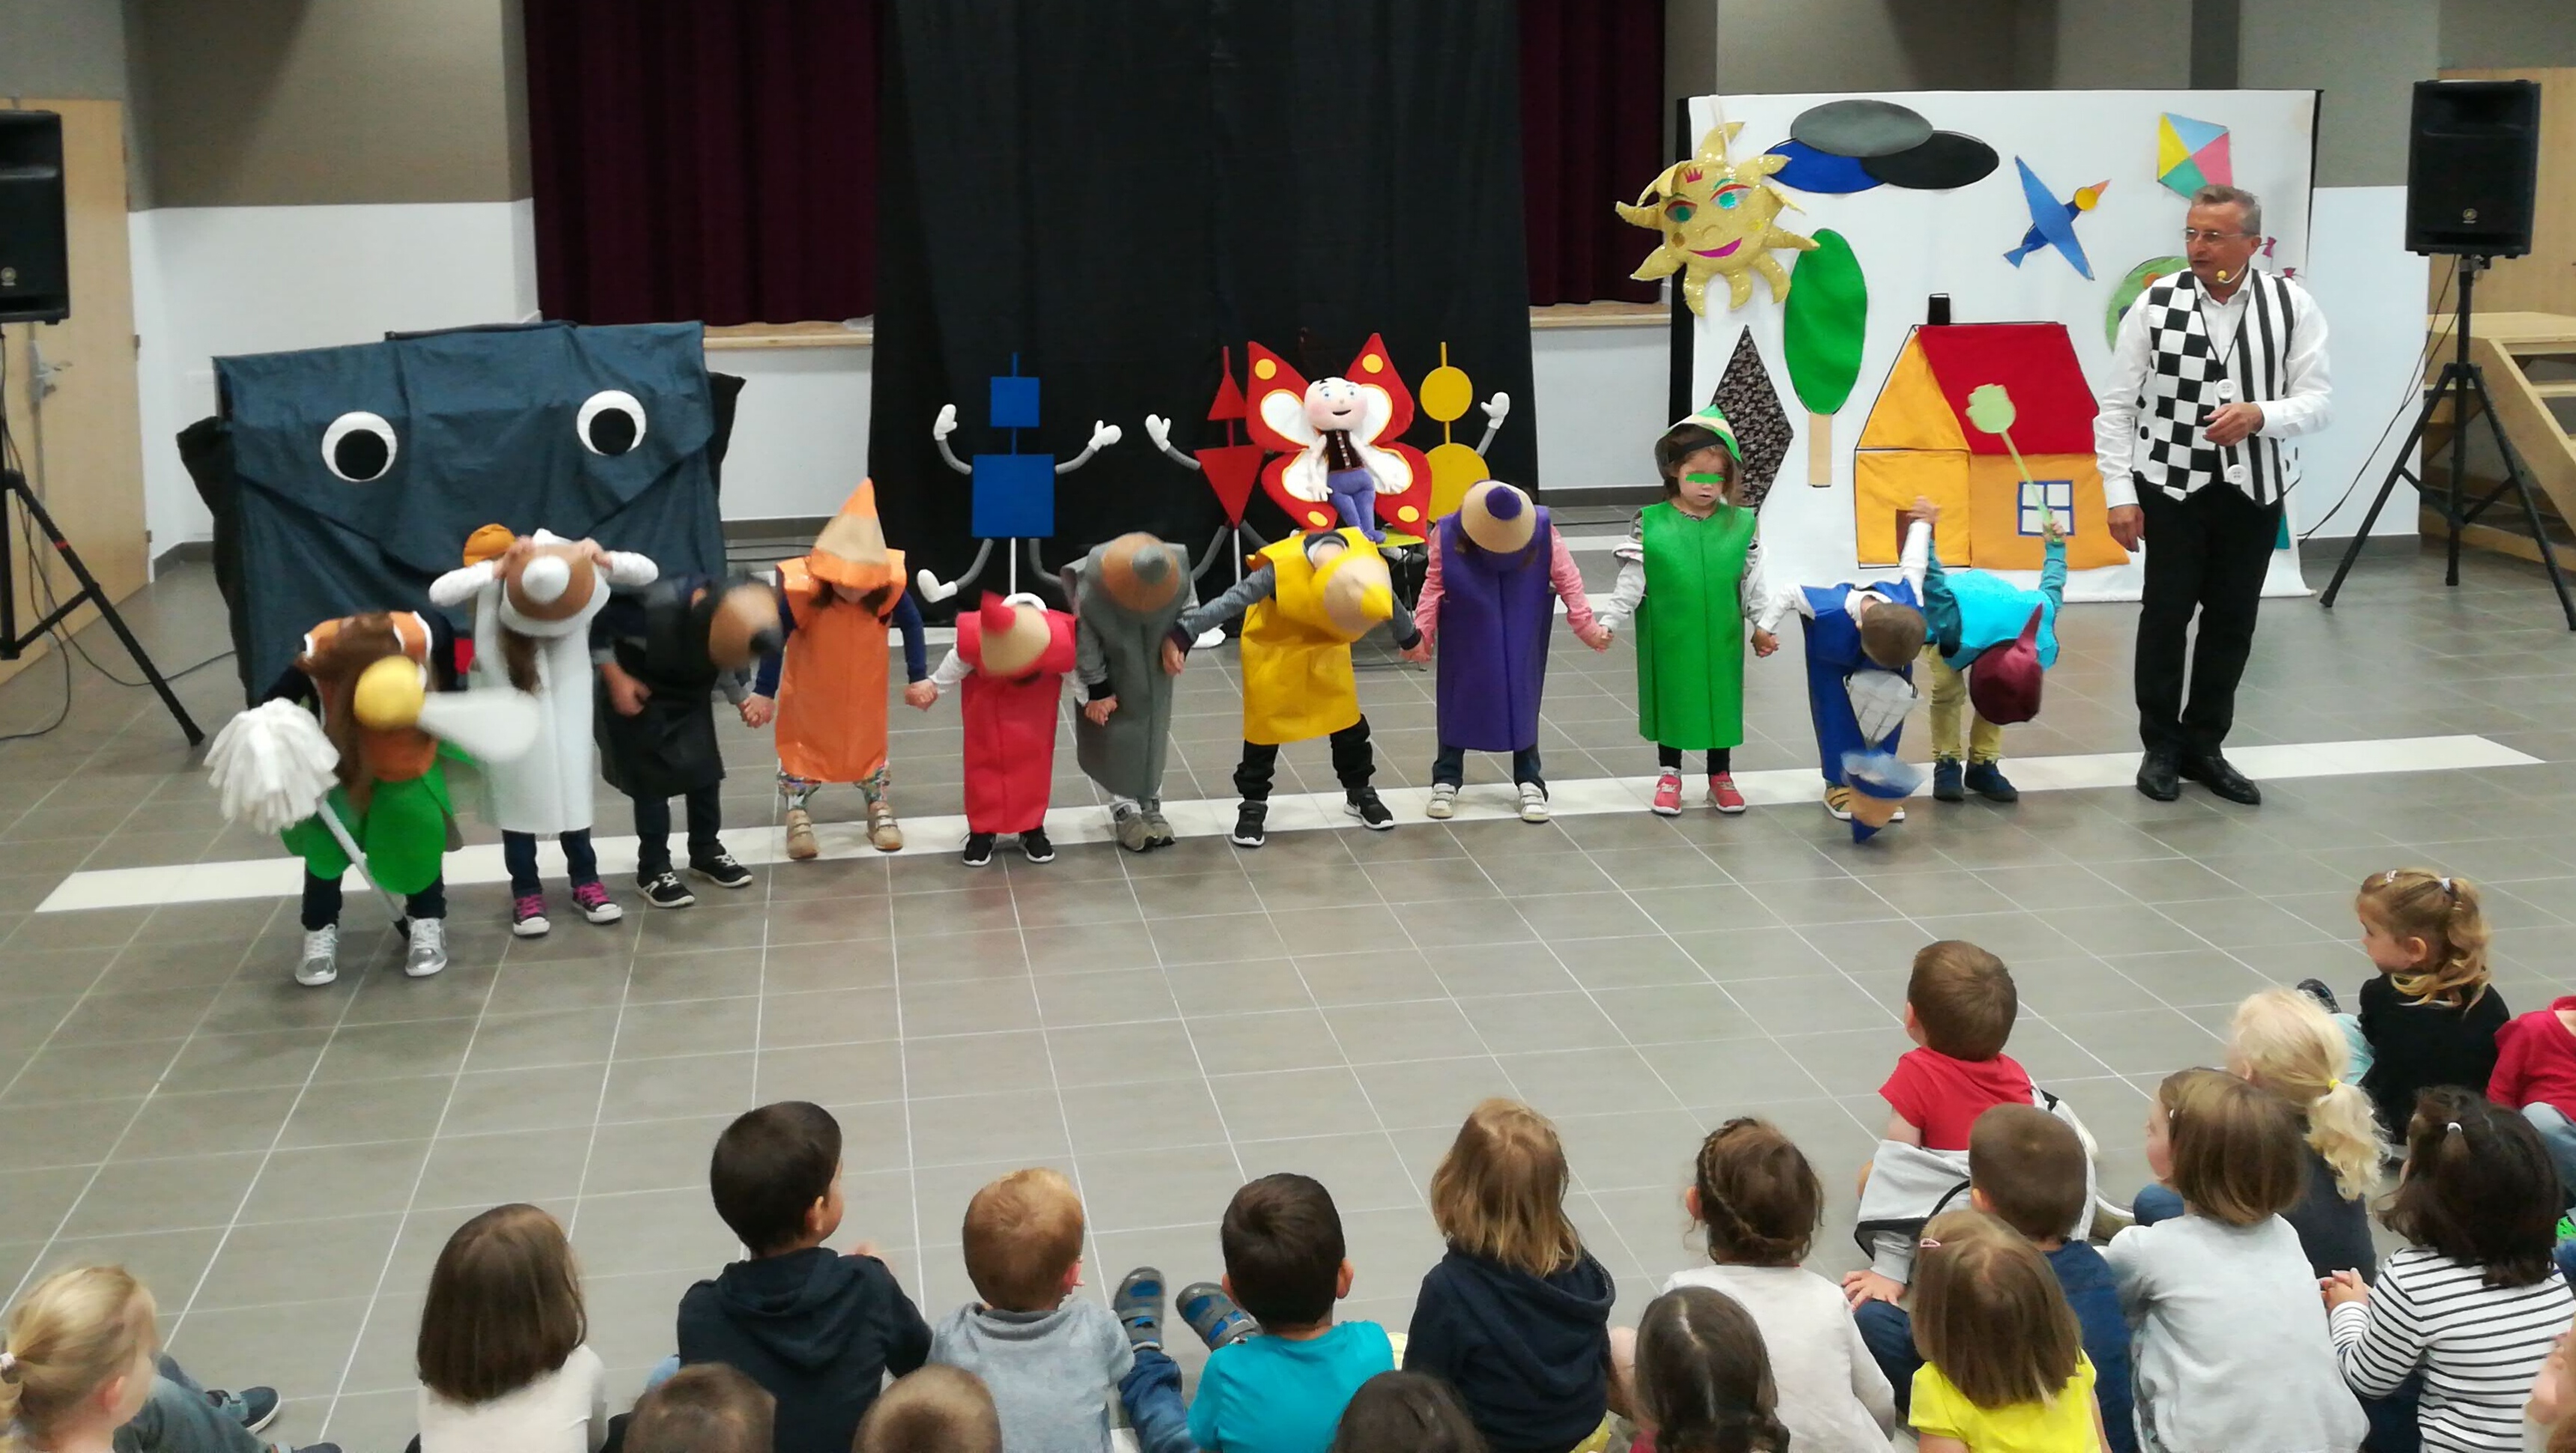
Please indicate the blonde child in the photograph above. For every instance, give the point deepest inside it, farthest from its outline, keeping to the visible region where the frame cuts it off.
(1759, 1202)
(709, 1408)
(1700, 552)
(2231, 1352)
(2281, 1041)
(1515, 1316)
(2004, 1369)
(934, 1410)
(1704, 1378)
(2430, 1016)
(2474, 1303)
(503, 1357)
(79, 1373)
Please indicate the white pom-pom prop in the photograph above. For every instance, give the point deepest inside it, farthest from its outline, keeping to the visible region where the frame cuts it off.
(272, 766)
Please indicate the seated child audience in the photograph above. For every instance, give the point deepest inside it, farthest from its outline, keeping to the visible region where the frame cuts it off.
(1048, 1358)
(1704, 1378)
(504, 1363)
(709, 1408)
(1514, 1316)
(2549, 1417)
(1959, 1008)
(2430, 1016)
(2004, 1369)
(1758, 1201)
(1406, 1412)
(2229, 1350)
(1279, 1388)
(933, 1410)
(2474, 1303)
(84, 1375)
(2283, 1042)
(816, 1328)
(2535, 1073)
(2026, 1168)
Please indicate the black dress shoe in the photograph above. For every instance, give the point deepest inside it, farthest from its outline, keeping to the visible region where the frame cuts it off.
(2159, 776)
(2211, 771)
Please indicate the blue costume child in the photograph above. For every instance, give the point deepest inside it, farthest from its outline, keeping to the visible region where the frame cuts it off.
(1977, 616)
(1853, 631)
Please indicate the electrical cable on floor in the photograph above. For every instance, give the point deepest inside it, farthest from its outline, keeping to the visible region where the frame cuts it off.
(2432, 340)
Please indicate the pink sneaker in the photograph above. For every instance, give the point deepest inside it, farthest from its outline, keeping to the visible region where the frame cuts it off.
(595, 904)
(1668, 795)
(528, 916)
(1722, 793)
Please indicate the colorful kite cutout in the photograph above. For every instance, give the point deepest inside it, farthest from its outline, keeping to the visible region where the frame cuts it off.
(2191, 155)
(1717, 219)
(2052, 222)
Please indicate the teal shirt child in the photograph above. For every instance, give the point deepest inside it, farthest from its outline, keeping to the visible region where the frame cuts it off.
(1278, 1395)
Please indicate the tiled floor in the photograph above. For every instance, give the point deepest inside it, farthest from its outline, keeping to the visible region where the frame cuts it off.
(282, 1163)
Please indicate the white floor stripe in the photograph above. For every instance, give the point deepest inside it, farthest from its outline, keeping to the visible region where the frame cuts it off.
(282, 877)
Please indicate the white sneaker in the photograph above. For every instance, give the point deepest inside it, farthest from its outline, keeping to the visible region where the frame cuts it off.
(428, 952)
(321, 961)
(1443, 803)
(1533, 802)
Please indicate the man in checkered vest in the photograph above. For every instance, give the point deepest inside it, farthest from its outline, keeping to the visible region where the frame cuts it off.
(2215, 371)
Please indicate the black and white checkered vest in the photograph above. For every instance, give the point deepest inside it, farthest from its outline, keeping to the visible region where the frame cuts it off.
(2187, 379)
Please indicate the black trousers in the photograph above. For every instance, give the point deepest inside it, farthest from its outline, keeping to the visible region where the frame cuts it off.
(322, 901)
(653, 829)
(2206, 554)
(1353, 762)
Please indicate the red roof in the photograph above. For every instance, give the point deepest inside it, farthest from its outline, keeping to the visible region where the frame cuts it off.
(2035, 362)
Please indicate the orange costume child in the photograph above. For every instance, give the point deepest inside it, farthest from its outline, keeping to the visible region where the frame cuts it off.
(1012, 656)
(827, 688)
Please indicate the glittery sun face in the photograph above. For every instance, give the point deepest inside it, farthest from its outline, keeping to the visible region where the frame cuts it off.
(1717, 221)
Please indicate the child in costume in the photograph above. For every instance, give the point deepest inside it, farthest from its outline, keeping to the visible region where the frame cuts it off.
(391, 794)
(1854, 633)
(2008, 635)
(1495, 564)
(662, 657)
(1012, 656)
(1700, 553)
(534, 599)
(1303, 603)
(827, 688)
(1127, 595)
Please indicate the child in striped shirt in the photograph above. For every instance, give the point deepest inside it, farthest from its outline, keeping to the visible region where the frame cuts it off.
(2474, 1303)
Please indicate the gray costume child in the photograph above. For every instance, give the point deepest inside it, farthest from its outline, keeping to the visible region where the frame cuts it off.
(1126, 596)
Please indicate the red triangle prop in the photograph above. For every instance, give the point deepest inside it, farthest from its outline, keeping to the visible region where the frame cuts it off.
(1232, 470)
(1228, 403)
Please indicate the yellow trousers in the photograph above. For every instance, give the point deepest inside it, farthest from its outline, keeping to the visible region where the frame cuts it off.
(1949, 696)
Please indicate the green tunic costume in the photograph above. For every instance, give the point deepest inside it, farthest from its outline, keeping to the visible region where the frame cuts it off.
(1690, 627)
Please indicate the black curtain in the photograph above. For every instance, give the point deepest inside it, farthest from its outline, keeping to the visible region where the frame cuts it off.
(1116, 193)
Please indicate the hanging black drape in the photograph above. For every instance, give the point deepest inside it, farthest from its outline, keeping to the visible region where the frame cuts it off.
(709, 162)
(1592, 132)
(1114, 193)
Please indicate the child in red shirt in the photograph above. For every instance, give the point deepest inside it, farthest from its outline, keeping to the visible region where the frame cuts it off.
(2535, 1073)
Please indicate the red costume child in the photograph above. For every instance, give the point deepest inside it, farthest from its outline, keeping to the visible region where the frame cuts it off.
(1012, 655)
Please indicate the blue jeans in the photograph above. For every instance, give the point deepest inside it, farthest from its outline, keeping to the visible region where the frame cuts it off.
(519, 853)
(178, 1418)
(1451, 766)
(1152, 1395)
(1888, 1332)
(2155, 1203)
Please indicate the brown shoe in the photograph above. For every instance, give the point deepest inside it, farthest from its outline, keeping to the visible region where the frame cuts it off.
(800, 835)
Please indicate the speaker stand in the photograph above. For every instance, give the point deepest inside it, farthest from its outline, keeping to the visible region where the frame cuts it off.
(13, 645)
(2464, 385)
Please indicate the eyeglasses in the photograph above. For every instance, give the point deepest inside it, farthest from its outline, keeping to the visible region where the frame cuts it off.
(2193, 234)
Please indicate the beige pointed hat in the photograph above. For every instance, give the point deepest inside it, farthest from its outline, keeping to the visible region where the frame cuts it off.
(852, 549)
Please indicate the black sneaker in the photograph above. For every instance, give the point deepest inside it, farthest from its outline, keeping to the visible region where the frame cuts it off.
(2316, 989)
(665, 890)
(979, 849)
(721, 870)
(1363, 804)
(252, 1407)
(1247, 824)
(1035, 847)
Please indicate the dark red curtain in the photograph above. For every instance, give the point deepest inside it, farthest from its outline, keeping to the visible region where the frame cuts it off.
(1592, 132)
(708, 161)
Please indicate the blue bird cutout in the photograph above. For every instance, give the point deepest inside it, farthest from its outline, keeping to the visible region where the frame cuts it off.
(2052, 222)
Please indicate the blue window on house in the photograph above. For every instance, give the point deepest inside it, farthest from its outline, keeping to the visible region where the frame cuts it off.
(2057, 496)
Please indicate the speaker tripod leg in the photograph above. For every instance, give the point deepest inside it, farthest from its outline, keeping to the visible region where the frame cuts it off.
(2396, 470)
(91, 591)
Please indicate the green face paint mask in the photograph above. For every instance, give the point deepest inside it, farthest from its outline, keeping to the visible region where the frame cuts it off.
(1718, 480)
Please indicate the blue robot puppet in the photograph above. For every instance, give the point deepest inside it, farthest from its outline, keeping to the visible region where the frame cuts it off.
(1014, 499)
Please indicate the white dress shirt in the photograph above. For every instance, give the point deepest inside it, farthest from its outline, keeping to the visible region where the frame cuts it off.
(2308, 406)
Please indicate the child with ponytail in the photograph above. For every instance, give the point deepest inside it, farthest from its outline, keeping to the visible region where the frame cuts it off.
(2431, 1016)
(81, 1373)
(1704, 1378)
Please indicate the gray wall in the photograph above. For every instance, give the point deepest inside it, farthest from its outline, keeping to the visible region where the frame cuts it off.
(2365, 55)
(2501, 33)
(73, 49)
(1772, 46)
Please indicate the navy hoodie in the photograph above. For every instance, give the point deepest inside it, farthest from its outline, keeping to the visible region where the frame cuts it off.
(816, 1328)
(1529, 1355)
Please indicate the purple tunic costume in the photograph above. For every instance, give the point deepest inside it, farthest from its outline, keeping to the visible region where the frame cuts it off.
(1496, 613)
